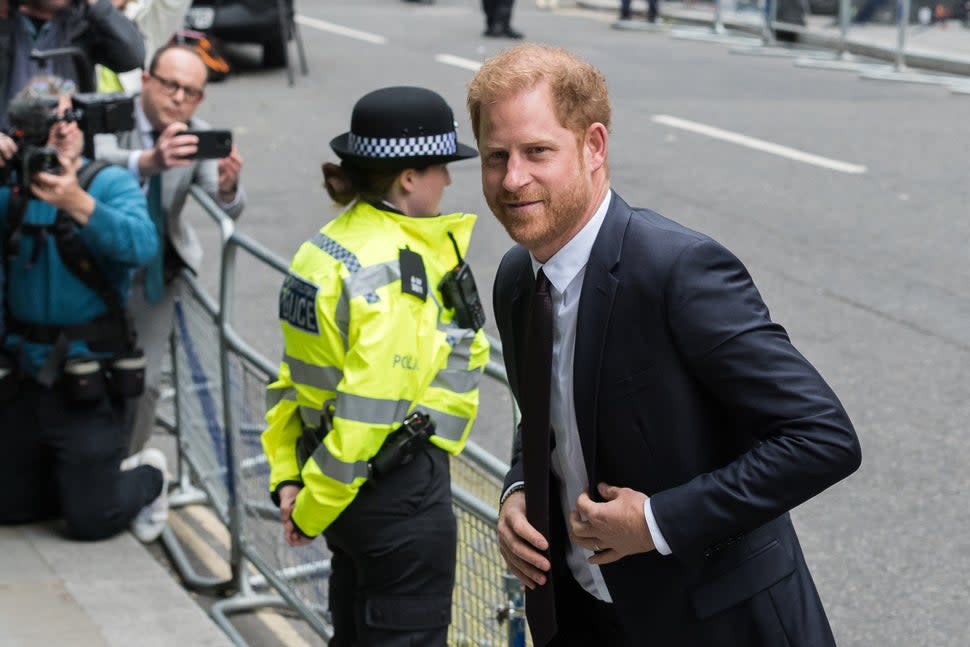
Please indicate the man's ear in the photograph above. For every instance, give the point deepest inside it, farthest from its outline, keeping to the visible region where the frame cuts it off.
(595, 145)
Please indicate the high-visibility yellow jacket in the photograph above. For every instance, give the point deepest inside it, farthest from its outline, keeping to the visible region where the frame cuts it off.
(362, 345)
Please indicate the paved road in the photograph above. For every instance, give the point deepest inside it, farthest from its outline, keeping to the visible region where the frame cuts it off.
(847, 199)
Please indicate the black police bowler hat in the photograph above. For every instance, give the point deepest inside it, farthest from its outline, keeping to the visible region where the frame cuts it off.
(401, 127)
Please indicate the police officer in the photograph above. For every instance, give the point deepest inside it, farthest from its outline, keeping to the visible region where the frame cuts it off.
(381, 323)
(69, 252)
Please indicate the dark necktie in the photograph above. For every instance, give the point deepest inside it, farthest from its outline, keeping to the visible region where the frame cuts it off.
(154, 271)
(539, 602)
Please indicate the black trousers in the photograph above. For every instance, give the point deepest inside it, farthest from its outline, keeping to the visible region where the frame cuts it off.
(62, 459)
(584, 620)
(393, 564)
(498, 13)
(626, 12)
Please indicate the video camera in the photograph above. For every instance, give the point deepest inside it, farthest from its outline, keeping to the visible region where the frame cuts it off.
(31, 119)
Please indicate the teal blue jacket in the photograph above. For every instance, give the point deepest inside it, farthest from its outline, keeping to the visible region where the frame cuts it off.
(120, 236)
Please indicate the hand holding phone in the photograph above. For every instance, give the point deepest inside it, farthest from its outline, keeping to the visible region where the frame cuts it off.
(213, 144)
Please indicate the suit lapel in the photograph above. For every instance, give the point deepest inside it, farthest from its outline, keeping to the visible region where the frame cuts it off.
(595, 307)
(519, 314)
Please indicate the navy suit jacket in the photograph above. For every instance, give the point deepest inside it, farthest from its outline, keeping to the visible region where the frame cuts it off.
(685, 390)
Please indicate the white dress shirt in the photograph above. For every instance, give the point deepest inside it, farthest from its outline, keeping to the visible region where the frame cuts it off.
(566, 271)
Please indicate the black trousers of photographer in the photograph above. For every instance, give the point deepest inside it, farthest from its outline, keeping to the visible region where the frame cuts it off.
(394, 558)
(63, 459)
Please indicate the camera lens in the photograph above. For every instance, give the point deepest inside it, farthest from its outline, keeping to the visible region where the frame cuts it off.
(43, 160)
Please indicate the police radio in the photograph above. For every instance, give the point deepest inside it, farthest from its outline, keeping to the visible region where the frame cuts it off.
(458, 291)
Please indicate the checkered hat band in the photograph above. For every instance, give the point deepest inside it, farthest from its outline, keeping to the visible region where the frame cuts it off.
(426, 146)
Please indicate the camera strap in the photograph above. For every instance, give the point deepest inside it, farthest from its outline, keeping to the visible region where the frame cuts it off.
(79, 260)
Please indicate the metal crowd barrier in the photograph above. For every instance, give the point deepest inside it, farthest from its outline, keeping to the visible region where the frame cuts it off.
(219, 392)
(836, 52)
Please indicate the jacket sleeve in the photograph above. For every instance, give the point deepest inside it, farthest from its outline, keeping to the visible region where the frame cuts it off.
(313, 363)
(801, 438)
(207, 177)
(501, 297)
(119, 228)
(108, 148)
(453, 396)
(283, 430)
(115, 41)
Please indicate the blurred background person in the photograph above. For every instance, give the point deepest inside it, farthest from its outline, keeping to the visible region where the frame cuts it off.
(498, 19)
(158, 21)
(102, 33)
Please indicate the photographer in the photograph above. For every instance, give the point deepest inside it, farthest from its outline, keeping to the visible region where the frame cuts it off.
(101, 32)
(159, 154)
(68, 254)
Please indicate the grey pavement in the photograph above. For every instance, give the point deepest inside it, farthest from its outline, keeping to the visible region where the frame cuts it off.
(104, 594)
(941, 47)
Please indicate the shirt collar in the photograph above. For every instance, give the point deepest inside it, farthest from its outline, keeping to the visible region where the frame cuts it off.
(565, 264)
(141, 120)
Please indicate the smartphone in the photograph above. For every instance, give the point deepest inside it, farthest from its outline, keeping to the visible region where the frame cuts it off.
(213, 144)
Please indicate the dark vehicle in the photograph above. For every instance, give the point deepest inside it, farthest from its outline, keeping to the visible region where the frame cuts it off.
(245, 21)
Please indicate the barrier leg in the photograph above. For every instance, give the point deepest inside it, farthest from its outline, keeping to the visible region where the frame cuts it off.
(716, 33)
(899, 72)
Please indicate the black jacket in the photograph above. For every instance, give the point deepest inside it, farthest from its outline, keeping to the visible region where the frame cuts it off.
(102, 32)
(687, 391)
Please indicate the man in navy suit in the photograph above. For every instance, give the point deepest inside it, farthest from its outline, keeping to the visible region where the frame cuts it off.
(681, 423)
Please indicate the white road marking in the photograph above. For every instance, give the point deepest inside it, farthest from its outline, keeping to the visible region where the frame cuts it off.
(323, 25)
(759, 144)
(458, 61)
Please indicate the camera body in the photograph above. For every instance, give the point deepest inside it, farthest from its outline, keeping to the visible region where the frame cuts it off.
(32, 118)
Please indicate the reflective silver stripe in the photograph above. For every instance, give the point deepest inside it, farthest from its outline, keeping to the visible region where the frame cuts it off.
(321, 377)
(456, 376)
(311, 417)
(275, 396)
(337, 469)
(341, 317)
(369, 279)
(457, 380)
(372, 411)
(448, 426)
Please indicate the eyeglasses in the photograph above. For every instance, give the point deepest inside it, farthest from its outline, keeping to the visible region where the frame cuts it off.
(170, 87)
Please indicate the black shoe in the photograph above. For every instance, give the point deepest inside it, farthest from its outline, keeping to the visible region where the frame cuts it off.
(493, 32)
(508, 32)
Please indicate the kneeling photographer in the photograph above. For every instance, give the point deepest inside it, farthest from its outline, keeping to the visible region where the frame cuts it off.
(72, 231)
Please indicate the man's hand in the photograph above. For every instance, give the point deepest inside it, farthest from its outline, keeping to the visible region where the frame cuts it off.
(8, 147)
(287, 501)
(64, 192)
(520, 544)
(229, 168)
(171, 150)
(612, 529)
